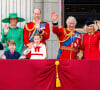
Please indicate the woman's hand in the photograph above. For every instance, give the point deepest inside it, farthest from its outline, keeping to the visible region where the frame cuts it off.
(54, 16)
(98, 24)
(5, 30)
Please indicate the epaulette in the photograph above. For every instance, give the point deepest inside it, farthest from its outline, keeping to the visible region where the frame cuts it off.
(26, 25)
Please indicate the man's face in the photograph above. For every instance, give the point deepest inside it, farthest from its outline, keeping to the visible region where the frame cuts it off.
(11, 47)
(36, 14)
(37, 39)
(71, 24)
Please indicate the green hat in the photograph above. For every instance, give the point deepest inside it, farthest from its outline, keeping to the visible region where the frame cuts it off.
(12, 15)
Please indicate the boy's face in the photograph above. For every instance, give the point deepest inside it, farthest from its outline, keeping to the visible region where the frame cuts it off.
(37, 39)
(11, 47)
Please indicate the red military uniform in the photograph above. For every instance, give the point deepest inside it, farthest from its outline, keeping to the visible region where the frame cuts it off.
(29, 29)
(91, 45)
(70, 51)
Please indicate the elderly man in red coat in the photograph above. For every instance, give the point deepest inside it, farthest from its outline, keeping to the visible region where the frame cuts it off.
(34, 27)
(69, 38)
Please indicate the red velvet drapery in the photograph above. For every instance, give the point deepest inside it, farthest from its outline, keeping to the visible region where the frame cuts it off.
(41, 75)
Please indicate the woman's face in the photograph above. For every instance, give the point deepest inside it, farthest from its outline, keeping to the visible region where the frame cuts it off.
(90, 28)
(13, 21)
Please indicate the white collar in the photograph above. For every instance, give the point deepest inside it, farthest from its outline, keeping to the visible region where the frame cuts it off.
(38, 45)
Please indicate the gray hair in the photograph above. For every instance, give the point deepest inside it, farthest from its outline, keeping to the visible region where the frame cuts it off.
(71, 17)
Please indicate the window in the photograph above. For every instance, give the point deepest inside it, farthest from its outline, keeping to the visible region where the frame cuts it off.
(82, 10)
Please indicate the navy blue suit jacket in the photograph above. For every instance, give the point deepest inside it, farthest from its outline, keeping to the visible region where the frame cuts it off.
(8, 55)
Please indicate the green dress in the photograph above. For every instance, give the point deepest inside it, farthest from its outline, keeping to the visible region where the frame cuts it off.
(15, 34)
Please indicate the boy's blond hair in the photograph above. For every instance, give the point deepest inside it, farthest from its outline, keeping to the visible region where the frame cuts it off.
(11, 42)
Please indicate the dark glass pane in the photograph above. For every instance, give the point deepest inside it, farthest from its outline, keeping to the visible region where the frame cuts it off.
(82, 10)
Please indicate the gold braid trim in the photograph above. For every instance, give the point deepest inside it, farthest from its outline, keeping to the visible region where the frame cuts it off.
(62, 40)
(28, 28)
(32, 35)
(69, 35)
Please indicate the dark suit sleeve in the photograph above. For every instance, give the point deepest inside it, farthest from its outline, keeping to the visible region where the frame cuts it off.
(17, 55)
(5, 53)
(1, 46)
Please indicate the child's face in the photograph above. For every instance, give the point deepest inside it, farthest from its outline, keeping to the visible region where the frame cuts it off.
(37, 39)
(11, 47)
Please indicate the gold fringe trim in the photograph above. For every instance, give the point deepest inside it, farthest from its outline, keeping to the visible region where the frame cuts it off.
(69, 35)
(58, 83)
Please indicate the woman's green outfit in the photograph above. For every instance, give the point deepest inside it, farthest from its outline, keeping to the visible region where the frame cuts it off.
(15, 34)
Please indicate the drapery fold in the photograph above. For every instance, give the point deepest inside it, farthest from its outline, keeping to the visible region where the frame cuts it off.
(41, 74)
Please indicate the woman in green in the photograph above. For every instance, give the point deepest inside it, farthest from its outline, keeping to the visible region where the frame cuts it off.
(13, 32)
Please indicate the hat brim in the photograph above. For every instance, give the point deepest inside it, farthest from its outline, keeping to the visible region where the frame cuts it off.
(19, 19)
(95, 28)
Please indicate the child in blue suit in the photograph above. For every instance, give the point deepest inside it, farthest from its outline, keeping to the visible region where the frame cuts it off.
(11, 53)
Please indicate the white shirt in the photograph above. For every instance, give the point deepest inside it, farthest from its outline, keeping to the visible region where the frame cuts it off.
(37, 52)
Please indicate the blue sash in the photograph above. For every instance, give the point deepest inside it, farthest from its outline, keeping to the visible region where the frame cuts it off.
(31, 36)
(68, 42)
(42, 26)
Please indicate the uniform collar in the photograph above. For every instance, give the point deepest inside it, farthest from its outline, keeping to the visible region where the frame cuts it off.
(35, 21)
(91, 33)
(71, 30)
(38, 45)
